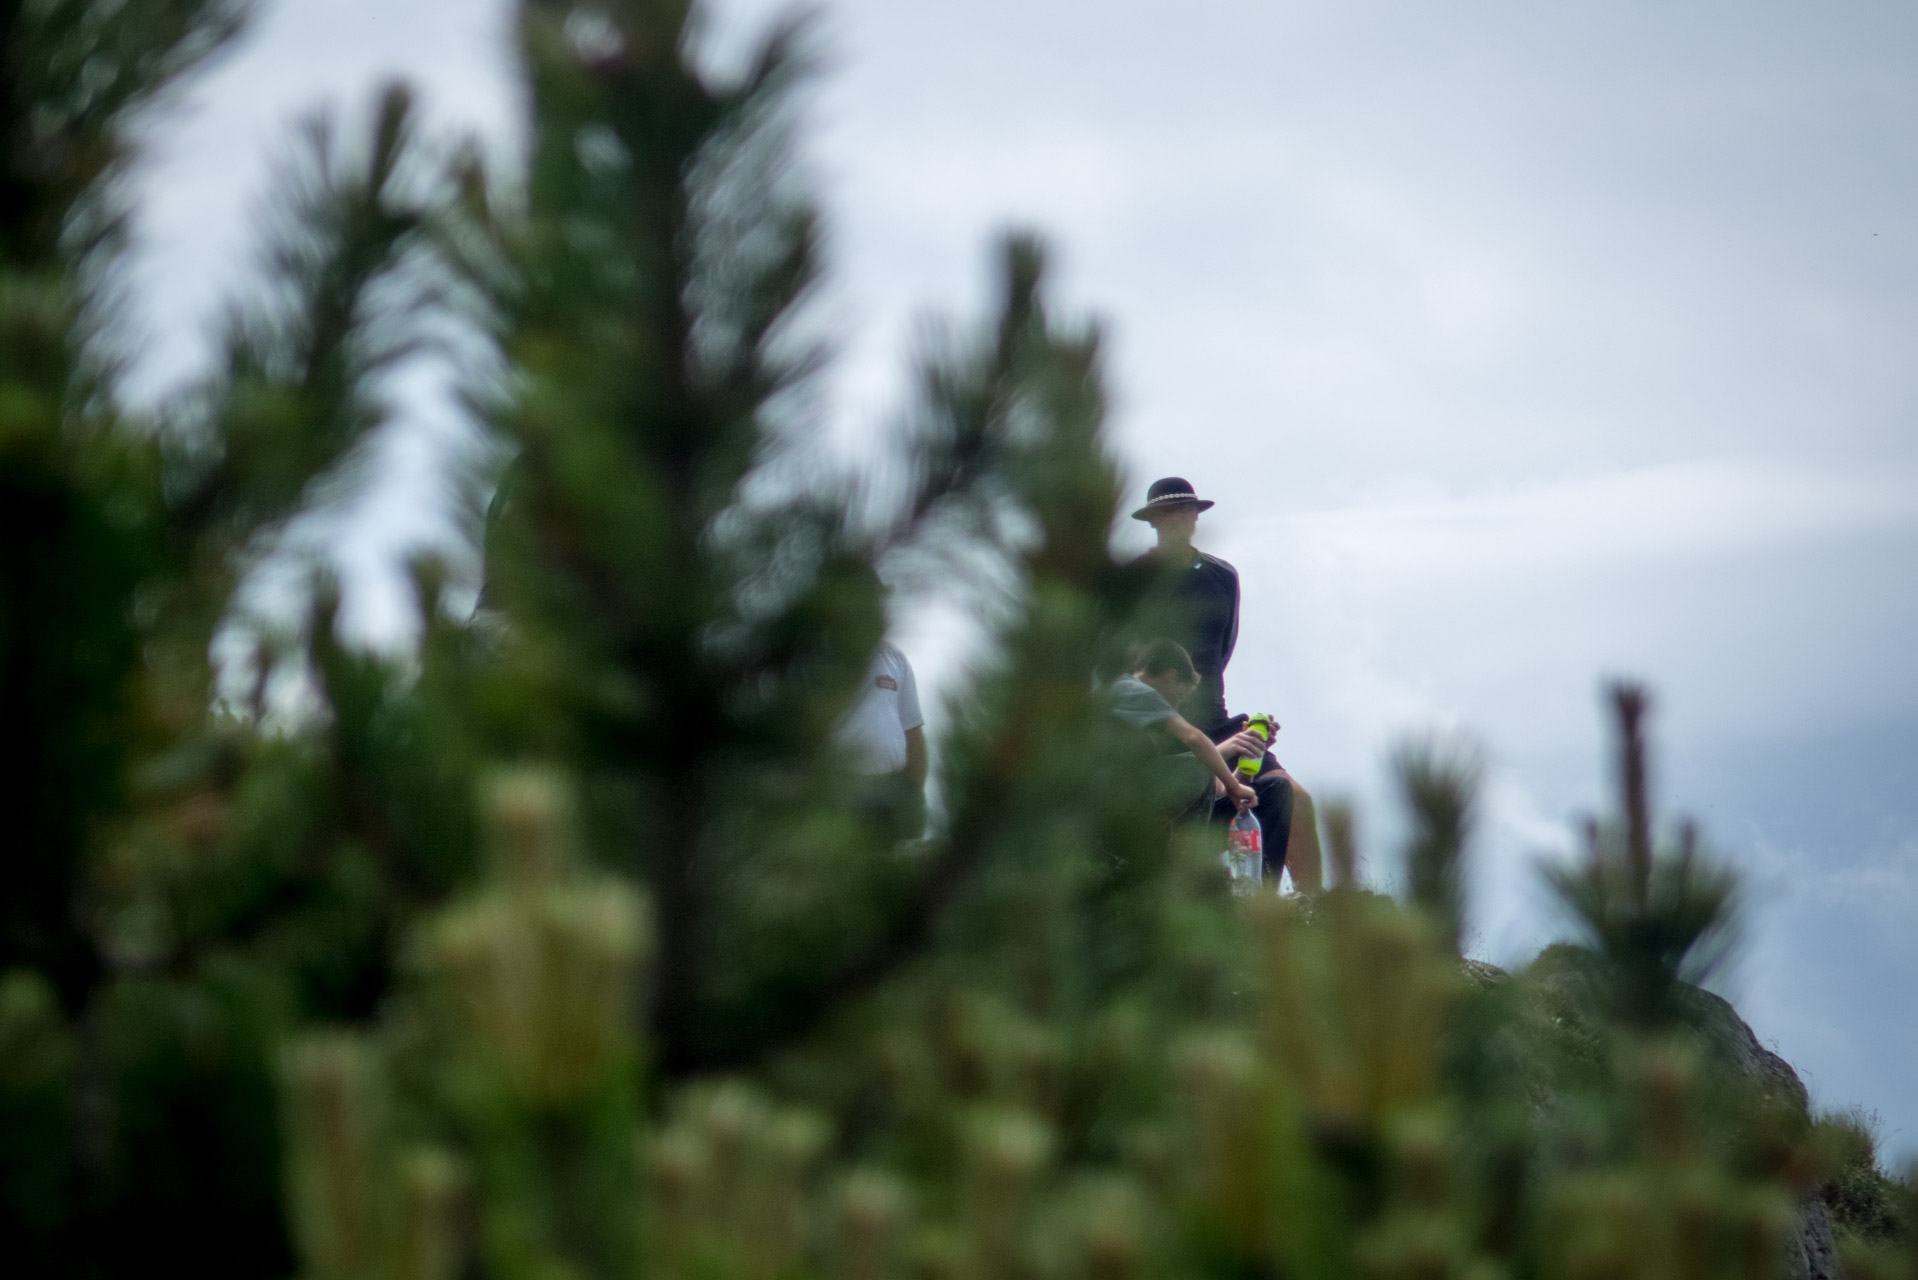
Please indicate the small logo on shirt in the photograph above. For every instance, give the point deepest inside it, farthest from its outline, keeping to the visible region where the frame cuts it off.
(887, 682)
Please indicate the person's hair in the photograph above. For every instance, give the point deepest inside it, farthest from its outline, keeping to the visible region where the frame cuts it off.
(1156, 657)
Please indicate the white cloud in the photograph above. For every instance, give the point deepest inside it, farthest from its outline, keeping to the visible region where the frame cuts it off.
(1886, 888)
(1664, 513)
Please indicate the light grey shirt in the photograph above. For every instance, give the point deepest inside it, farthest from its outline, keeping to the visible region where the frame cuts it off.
(1138, 703)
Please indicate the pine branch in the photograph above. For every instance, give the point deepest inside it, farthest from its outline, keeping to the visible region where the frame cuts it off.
(338, 309)
(1440, 782)
(1656, 922)
(1048, 466)
(75, 71)
(1630, 703)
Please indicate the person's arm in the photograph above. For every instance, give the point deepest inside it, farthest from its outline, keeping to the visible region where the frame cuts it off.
(916, 755)
(1201, 746)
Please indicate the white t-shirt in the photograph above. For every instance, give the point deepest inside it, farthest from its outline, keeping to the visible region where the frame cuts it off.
(876, 726)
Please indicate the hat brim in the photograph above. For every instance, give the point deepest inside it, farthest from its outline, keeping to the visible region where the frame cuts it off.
(1197, 504)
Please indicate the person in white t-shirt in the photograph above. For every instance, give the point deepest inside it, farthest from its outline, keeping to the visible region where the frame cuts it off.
(888, 735)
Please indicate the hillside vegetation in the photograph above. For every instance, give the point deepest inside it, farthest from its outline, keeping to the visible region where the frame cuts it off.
(559, 947)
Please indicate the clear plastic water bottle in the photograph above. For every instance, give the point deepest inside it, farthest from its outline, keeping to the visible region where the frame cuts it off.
(1245, 853)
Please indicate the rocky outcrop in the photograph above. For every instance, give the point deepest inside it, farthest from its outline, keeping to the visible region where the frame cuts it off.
(1732, 1039)
(1484, 975)
(1812, 1253)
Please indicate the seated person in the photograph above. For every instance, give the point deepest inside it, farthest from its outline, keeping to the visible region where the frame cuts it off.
(1161, 675)
(1196, 597)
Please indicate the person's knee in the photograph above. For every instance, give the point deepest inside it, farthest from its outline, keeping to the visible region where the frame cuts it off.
(1276, 788)
(1299, 794)
(1307, 860)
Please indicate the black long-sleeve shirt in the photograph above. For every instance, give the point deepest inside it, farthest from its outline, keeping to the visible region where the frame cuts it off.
(1198, 605)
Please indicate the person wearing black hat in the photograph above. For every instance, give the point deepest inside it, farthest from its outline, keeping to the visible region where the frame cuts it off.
(1202, 592)
(1197, 599)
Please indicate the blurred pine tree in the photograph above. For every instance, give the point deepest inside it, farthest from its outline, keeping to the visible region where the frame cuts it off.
(560, 944)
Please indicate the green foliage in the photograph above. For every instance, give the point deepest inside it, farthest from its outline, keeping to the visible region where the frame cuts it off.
(1656, 924)
(1875, 1214)
(1439, 781)
(1868, 1206)
(36, 1160)
(567, 943)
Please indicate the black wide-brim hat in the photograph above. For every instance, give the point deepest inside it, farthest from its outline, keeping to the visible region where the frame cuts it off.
(1173, 491)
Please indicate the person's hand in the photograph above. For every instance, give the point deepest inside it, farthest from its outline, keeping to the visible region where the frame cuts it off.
(1243, 743)
(1240, 794)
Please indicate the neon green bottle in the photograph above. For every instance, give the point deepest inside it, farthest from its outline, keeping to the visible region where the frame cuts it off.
(1248, 766)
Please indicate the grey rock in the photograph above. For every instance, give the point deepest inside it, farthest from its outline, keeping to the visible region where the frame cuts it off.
(1730, 1036)
(1483, 975)
(1812, 1253)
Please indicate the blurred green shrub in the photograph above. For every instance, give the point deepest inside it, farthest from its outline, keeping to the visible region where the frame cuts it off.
(560, 945)
(1868, 1205)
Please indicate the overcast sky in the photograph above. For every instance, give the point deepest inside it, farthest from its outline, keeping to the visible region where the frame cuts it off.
(1520, 345)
